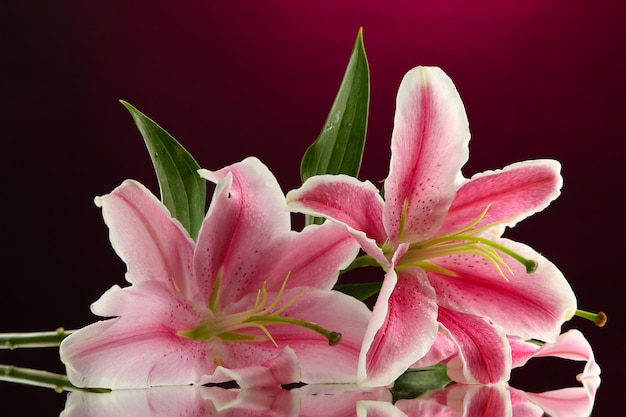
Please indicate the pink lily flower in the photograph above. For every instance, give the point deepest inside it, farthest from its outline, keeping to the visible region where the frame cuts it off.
(251, 301)
(439, 238)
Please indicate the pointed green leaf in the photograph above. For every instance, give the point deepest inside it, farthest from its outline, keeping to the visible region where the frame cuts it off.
(360, 291)
(339, 147)
(415, 382)
(183, 191)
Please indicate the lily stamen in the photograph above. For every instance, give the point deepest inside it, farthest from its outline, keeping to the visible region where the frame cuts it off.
(228, 326)
(463, 241)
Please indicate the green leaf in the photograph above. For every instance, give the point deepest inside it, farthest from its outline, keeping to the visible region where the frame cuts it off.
(415, 382)
(360, 291)
(339, 147)
(183, 191)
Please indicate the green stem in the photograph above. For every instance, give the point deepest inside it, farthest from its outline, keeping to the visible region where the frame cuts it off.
(33, 339)
(39, 378)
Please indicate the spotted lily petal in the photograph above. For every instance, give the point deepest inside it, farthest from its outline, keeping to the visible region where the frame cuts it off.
(402, 328)
(526, 305)
(246, 227)
(429, 145)
(510, 194)
(484, 355)
(441, 351)
(315, 256)
(347, 201)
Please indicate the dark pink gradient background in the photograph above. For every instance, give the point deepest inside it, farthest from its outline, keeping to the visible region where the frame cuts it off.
(229, 79)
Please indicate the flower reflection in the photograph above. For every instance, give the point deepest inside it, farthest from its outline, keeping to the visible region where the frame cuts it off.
(501, 400)
(496, 400)
(190, 400)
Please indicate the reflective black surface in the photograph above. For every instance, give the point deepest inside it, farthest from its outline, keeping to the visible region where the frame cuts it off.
(240, 78)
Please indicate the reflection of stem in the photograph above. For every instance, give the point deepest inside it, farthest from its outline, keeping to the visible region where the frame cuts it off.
(33, 339)
(27, 376)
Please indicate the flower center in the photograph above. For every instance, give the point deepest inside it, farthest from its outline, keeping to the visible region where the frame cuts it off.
(232, 327)
(463, 241)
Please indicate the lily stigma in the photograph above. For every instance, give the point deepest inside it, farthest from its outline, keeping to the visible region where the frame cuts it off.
(227, 326)
(599, 319)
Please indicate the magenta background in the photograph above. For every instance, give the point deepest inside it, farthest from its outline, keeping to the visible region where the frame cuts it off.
(229, 79)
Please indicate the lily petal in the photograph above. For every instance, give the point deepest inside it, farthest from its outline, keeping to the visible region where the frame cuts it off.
(567, 402)
(525, 305)
(149, 302)
(347, 201)
(403, 326)
(153, 245)
(570, 345)
(484, 353)
(281, 370)
(521, 351)
(120, 354)
(429, 145)
(315, 257)
(440, 352)
(512, 194)
(246, 227)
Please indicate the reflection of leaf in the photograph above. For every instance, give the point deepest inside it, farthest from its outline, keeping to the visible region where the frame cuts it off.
(339, 147)
(183, 191)
(415, 382)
